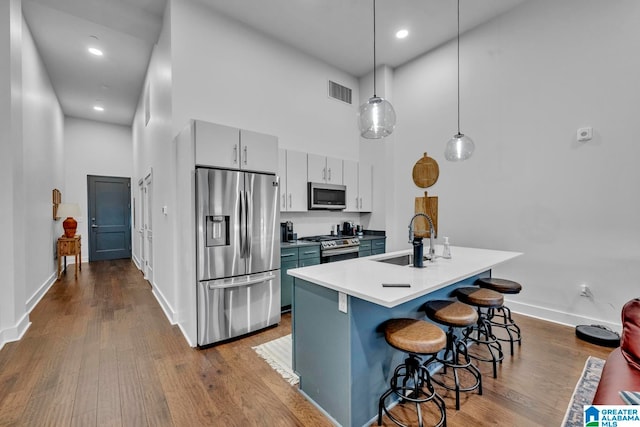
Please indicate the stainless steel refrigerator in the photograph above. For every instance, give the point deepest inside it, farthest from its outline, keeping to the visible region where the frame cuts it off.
(238, 253)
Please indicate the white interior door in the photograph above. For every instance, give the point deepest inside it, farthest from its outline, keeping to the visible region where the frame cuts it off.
(148, 227)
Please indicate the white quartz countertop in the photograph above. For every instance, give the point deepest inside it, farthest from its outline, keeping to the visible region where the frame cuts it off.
(363, 277)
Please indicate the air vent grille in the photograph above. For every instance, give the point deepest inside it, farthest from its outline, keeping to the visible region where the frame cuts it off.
(339, 92)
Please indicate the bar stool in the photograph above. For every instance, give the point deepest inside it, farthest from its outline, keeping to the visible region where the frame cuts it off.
(503, 313)
(482, 299)
(454, 314)
(417, 338)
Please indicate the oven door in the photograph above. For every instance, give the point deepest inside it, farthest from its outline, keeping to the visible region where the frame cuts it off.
(334, 255)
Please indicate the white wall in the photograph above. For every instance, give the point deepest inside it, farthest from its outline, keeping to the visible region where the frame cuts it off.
(42, 167)
(92, 148)
(153, 152)
(529, 80)
(30, 156)
(227, 73)
(12, 254)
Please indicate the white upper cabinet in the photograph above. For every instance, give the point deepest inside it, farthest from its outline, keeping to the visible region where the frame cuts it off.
(293, 180)
(324, 169)
(358, 179)
(365, 187)
(258, 152)
(228, 147)
(350, 178)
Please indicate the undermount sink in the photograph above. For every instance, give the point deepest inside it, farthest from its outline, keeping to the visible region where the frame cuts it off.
(398, 260)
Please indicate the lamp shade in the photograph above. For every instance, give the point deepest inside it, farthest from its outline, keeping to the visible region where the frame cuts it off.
(459, 148)
(66, 210)
(69, 210)
(377, 118)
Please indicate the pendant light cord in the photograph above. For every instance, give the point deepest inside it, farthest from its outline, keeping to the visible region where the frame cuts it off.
(374, 49)
(458, 67)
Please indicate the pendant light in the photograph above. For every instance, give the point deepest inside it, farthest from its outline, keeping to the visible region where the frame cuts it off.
(460, 147)
(377, 117)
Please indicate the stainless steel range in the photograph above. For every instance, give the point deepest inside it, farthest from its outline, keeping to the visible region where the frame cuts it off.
(336, 248)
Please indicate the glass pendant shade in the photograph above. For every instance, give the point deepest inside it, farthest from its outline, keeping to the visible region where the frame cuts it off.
(377, 118)
(459, 148)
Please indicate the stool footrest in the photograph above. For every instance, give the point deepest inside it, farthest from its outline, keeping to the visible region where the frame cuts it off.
(415, 388)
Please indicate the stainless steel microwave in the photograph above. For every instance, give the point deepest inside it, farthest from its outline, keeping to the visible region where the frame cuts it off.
(326, 196)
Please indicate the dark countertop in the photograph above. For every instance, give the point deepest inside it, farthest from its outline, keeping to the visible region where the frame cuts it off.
(298, 243)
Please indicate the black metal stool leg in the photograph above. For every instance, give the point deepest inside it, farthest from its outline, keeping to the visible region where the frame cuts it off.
(412, 370)
(453, 347)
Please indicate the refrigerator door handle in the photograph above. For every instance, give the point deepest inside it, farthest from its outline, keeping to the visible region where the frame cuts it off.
(243, 225)
(249, 224)
(236, 284)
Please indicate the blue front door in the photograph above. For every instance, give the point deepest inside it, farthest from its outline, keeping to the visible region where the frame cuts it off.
(109, 211)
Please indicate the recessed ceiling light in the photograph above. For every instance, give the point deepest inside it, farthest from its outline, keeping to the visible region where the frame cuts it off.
(401, 34)
(95, 51)
(98, 108)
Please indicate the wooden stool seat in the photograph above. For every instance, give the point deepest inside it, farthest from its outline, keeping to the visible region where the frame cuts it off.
(503, 286)
(451, 313)
(480, 297)
(415, 336)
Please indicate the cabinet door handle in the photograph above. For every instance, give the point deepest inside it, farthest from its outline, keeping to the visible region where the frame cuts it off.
(235, 153)
(286, 255)
(245, 155)
(290, 205)
(284, 201)
(360, 202)
(324, 174)
(329, 175)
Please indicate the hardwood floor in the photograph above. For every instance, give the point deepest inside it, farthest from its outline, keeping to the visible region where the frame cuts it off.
(100, 351)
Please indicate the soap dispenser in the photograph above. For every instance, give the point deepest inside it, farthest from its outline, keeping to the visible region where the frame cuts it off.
(446, 250)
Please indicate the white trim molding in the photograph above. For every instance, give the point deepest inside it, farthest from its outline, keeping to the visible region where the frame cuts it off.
(556, 316)
(15, 333)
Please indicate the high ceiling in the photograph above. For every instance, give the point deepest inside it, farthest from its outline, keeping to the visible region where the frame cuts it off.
(339, 32)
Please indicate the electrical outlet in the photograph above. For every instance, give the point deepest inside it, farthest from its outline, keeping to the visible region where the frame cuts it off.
(342, 302)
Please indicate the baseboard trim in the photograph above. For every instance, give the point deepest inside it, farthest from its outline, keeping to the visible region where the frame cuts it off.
(40, 293)
(186, 336)
(164, 304)
(136, 261)
(557, 316)
(16, 332)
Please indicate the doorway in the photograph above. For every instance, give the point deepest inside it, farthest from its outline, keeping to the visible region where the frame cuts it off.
(146, 194)
(109, 200)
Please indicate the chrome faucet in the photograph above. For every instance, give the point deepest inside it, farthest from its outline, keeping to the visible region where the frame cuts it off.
(432, 234)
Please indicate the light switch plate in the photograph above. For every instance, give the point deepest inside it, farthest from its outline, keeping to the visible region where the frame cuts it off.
(342, 302)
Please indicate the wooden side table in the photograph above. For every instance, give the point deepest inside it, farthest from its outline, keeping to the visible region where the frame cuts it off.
(68, 246)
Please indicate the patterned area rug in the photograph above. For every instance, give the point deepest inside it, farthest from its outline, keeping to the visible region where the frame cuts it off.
(278, 354)
(583, 393)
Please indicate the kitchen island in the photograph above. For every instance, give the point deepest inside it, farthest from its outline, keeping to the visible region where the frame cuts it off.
(339, 350)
